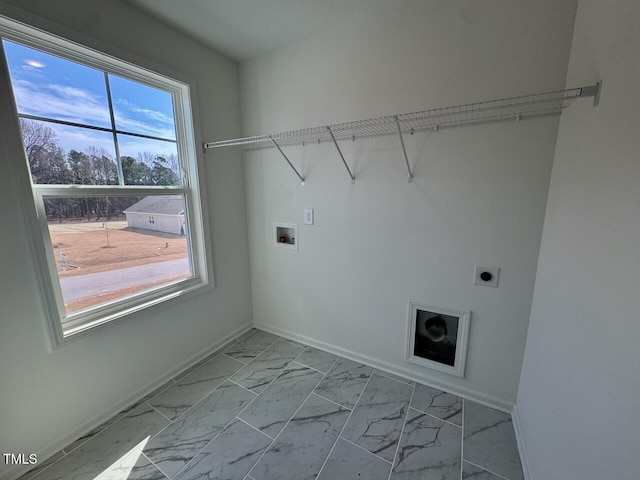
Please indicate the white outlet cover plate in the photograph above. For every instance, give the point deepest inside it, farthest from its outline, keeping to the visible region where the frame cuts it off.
(308, 216)
(494, 271)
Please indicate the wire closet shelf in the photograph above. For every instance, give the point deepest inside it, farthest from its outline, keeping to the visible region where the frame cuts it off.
(504, 109)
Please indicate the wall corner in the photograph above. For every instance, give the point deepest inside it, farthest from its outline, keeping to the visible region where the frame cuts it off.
(517, 428)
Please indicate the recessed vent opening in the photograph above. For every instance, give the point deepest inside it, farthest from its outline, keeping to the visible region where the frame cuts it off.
(438, 337)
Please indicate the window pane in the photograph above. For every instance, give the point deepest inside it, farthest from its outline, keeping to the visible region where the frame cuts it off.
(60, 154)
(149, 162)
(48, 86)
(142, 109)
(109, 248)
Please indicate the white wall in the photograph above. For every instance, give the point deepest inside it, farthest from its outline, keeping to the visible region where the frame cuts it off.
(46, 396)
(478, 198)
(579, 396)
(161, 222)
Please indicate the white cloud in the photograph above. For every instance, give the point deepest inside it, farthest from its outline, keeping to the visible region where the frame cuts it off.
(72, 138)
(60, 102)
(139, 145)
(138, 126)
(34, 63)
(152, 114)
(76, 105)
(67, 92)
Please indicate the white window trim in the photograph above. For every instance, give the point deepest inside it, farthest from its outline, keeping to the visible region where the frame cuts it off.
(84, 323)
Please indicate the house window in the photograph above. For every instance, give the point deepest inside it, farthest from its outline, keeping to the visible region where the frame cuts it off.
(110, 153)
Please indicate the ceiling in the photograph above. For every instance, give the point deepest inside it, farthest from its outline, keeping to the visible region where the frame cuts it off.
(242, 29)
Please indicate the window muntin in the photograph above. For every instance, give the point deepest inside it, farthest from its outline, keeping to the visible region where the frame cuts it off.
(141, 119)
(65, 155)
(182, 155)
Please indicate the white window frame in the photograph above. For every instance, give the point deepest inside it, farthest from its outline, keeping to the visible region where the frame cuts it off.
(64, 328)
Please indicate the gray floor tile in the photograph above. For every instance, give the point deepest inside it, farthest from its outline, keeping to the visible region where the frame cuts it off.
(195, 366)
(348, 462)
(245, 335)
(93, 457)
(265, 367)
(196, 445)
(88, 436)
(134, 466)
(293, 342)
(490, 442)
(314, 358)
(149, 396)
(120, 415)
(395, 377)
(181, 396)
(172, 448)
(250, 345)
(230, 456)
(275, 406)
(429, 448)
(302, 447)
(42, 465)
(344, 382)
(471, 472)
(437, 403)
(377, 420)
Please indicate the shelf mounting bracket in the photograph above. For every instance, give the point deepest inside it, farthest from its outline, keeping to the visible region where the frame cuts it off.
(285, 157)
(404, 150)
(592, 91)
(353, 179)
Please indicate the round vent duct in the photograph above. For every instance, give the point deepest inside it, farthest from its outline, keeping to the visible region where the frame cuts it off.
(436, 328)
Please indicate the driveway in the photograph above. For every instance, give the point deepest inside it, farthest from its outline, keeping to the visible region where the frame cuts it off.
(92, 284)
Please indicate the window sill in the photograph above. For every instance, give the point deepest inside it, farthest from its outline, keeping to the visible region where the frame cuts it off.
(81, 326)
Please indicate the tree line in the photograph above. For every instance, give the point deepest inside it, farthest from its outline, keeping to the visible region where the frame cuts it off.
(49, 164)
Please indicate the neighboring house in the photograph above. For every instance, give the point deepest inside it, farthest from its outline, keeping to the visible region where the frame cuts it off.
(162, 213)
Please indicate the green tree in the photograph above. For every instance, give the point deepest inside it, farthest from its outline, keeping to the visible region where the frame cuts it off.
(162, 174)
(80, 166)
(134, 172)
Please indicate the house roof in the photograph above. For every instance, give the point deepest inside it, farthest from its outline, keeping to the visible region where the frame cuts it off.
(158, 205)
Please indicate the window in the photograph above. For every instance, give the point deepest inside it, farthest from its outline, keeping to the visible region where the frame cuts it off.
(110, 154)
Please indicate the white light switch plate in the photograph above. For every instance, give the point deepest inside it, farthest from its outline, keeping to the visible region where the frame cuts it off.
(492, 282)
(308, 216)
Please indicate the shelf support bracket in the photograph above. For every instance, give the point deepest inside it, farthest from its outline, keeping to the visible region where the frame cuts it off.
(285, 157)
(404, 150)
(592, 91)
(353, 179)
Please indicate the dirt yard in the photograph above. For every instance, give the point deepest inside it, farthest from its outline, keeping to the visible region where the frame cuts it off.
(89, 247)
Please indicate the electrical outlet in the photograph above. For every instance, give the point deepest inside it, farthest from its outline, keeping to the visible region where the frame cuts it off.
(486, 276)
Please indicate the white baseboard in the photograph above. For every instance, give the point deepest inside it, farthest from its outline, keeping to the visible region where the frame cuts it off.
(517, 428)
(464, 392)
(15, 472)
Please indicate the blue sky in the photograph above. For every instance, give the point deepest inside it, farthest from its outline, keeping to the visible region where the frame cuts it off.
(49, 86)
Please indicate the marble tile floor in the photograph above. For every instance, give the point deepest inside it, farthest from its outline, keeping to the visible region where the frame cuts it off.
(267, 408)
